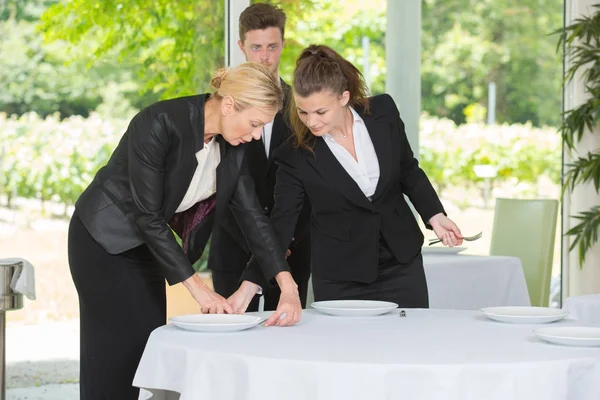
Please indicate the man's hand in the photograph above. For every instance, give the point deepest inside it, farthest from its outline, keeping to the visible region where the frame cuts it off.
(242, 297)
(209, 301)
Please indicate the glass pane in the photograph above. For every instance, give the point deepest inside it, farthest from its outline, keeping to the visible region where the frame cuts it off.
(491, 102)
(77, 72)
(352, 28)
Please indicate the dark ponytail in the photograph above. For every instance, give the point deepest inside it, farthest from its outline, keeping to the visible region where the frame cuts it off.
(319, 68)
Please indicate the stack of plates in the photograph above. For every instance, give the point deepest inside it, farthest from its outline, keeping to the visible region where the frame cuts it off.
(354, 308)
(216, 322)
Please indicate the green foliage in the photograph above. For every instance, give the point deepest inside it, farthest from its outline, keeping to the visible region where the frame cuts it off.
(581, 44)
(520, 152)
(466, 44)
(585, 233)
(175, 46)
(341, 26)
(24, 10)
(49, 159)
(36, 77)
(68, 153)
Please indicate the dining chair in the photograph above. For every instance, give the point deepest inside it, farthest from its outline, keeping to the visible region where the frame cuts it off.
(527, 229)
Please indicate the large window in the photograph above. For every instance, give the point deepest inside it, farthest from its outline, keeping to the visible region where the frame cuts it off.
(491, 105)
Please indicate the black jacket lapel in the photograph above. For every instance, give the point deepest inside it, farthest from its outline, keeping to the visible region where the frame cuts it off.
(332, 171)
(188, 163)
(379, 131)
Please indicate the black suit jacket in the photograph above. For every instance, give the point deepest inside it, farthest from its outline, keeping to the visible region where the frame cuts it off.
(132, 198)
(263, 170)
(345, 225)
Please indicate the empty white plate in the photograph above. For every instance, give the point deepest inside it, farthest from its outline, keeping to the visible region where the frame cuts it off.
(442, 250)
(524, 315)
(354, 308)
(215, 322)
(570, 335)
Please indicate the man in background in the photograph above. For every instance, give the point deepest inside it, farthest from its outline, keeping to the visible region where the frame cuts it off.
(262, 29)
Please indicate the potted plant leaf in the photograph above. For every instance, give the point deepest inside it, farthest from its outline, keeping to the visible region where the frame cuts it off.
(580, 43)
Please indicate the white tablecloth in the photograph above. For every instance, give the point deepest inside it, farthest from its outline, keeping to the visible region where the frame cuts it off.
(586, 308)
(429, 354)
(464, 282)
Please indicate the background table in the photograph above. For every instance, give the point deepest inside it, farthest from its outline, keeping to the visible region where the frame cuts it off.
(586, 308)
(429, 354)
(465, 282)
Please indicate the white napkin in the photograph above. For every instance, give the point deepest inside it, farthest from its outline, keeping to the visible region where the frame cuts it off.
(23, 281)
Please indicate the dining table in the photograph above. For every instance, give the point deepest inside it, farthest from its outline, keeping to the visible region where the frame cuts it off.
(418, 354)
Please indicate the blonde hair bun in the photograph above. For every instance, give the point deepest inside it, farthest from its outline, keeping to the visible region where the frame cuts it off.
(250, 85)
(218, 77)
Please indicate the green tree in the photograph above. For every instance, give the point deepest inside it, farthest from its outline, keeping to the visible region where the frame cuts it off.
(469, 43)
(174, 46)
(179, 44)
(341, 26)
(24, 10)
(36, 76)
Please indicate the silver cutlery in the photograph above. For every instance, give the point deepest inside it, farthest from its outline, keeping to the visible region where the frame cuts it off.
(467, 238)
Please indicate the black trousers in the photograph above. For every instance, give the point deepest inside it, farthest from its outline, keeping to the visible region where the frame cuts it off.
(226, 282)
(121, 301)
(403, 284)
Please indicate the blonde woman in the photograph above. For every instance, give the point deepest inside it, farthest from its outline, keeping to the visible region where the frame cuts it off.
(178, 163)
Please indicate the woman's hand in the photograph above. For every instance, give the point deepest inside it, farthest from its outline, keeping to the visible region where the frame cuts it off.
(242, 297)
(289, 302)
(446, 230)
(210, 302)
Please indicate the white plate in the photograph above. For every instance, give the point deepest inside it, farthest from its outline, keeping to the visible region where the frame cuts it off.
(215, 322)
(524, 315)
(570, 335)
(354, 308)
(442, 250)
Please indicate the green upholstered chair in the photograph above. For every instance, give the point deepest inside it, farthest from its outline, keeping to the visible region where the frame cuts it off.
(526, 229)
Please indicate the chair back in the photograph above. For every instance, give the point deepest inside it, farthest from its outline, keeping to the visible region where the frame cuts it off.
(526, 229)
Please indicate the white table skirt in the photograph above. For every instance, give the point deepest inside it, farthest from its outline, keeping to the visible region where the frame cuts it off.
(465, 282)
(585, 308)
(429, 354)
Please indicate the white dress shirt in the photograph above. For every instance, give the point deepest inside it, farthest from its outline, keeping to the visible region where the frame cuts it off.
(364, 170)
(204, 181)
(266, 136)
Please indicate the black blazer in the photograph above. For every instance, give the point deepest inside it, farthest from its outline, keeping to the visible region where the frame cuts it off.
(263, 170)
(132, 198)
(345, 225)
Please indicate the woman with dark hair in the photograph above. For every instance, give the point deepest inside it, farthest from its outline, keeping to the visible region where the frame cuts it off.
(352, 159)
(178, 164)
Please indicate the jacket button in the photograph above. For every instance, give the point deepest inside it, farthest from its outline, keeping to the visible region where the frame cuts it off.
(266, 210)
